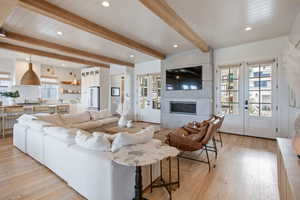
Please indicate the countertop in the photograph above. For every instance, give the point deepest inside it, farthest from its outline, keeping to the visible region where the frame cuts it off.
(291, 164)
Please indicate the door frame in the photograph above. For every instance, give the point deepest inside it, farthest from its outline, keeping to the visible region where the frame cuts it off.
(241, 130)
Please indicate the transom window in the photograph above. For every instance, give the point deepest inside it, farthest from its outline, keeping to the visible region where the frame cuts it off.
(260, 90)
(229, 90)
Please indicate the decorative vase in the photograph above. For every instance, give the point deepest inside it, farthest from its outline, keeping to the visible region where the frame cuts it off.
(129, 124)
(122, 121)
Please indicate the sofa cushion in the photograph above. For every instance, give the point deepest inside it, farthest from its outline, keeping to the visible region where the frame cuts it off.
(95, 141)
(61, 133)
(96, 115)
(125, 139)
(87, 125)
(38, 125)
(51, 118)
(76, 118)
(108, 120)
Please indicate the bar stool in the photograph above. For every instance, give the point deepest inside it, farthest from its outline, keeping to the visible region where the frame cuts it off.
(10, 114)
(62, 109)
(42, 109)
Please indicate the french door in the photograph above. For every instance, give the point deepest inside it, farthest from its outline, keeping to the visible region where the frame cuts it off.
(148, 89)
(247, 95)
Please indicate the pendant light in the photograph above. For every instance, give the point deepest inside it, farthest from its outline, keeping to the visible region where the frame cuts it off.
(30, 77)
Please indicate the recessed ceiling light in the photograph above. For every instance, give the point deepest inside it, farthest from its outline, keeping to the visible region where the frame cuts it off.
(131, 56)
(105, 4)
(248, 28)
(59, 33)
(63, 65)
(175, 45)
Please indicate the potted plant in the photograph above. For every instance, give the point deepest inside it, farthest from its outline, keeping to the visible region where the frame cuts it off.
(11, 95)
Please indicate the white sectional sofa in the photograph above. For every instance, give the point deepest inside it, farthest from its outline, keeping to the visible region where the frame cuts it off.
(91, 173)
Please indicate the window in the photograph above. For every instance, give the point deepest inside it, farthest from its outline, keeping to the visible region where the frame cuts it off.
(229, 90)
(5, 82)
(49, 87)
(260, 90)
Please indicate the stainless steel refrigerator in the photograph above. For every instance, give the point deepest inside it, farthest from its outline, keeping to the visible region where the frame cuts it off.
(94, 98)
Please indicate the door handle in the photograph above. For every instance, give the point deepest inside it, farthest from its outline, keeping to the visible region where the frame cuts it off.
(246, 104)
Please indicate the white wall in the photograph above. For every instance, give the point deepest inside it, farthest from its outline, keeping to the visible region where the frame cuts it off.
(258, 51)
(203, 97)
(293, 69)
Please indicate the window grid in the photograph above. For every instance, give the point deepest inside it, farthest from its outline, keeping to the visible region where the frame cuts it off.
(228, 106)
(259, 76)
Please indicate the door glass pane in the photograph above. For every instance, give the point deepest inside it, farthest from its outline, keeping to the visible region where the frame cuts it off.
(224, 73)
(233, 97)
(253, 96)
(266, 96)
(266, 83)
(266, 110)
(253, 71)
(225, 97)
(234, 108)
(253, 109)
(254, 84)
(229, 90)
(233, 85)
(266, 70)
(260, 90)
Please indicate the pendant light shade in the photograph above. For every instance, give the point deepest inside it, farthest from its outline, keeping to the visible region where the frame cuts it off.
(30, 77)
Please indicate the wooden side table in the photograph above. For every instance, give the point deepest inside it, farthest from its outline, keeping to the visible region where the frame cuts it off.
(142, 155)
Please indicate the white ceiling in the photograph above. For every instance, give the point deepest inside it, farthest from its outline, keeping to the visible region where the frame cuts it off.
(220, 23)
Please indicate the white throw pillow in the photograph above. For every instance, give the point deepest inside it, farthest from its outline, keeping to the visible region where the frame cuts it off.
(125, 139)
(76, 118)
(97, 142)
(96, 115)
(65, 134)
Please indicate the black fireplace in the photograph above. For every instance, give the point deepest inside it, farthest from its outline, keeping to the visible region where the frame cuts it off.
(183, 107)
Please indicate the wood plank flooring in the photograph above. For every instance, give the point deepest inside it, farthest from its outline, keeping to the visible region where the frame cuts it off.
(246, 169)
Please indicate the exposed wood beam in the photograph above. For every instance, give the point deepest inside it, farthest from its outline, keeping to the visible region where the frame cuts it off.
(167, 14)
(26, 50)
(6, 8)
(51, 45)
(45, 8)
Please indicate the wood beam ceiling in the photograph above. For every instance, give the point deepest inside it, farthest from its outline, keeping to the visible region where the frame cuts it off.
(51, 45)
(6, 7)
(31, 51)
(168, 15)
(50, 10)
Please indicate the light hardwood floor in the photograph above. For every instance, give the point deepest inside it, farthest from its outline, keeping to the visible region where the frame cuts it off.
(246, 169)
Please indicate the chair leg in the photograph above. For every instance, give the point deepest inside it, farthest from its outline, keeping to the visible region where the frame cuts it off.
(3, 127)
(215, 147)
(207, 157)
(220, 135)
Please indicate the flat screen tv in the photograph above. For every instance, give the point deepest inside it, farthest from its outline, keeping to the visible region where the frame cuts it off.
(189, 78)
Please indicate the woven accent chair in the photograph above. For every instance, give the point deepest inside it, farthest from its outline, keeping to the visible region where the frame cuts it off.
(187, 141)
